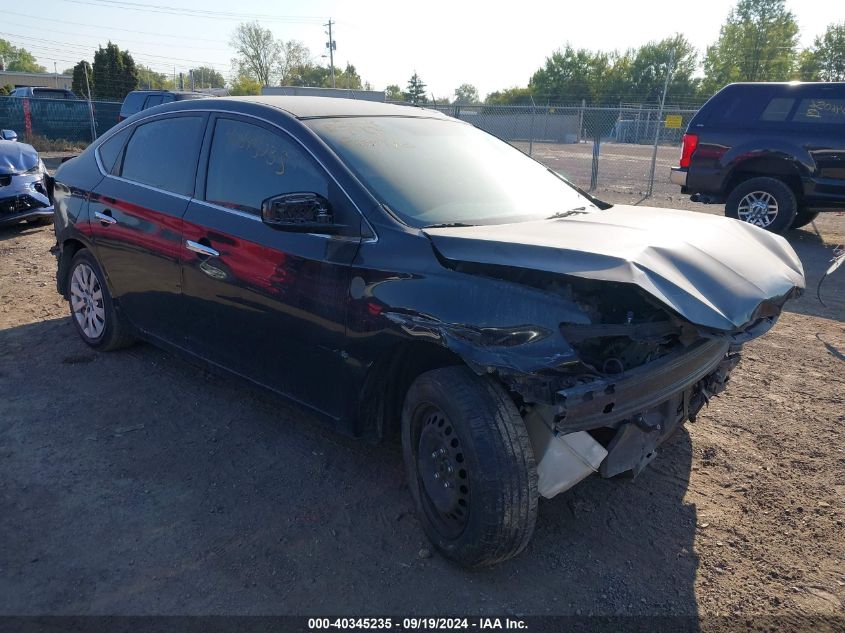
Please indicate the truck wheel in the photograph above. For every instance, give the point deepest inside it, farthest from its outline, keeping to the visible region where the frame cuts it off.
(765, 202)
(803, 217)
(91, 308)
(470, 466)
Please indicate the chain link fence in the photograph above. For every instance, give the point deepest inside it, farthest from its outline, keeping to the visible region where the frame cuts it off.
(606, 150)
(67, 120)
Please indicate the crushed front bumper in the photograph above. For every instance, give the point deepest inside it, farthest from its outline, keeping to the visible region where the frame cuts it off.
(628, 418)
(23, 197)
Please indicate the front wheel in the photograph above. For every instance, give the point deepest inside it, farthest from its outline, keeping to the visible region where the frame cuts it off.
(765, 202)
(470, 466)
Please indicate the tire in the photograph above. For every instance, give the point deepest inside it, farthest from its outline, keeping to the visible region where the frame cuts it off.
(454, 419)
(780, 205)
(803, 218)
(88, 295)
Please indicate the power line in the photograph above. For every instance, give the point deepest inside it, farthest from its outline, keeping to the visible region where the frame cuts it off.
(200, 13)
(112, 28)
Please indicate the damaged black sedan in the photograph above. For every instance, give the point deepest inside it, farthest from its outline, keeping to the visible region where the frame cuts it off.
(398, 271)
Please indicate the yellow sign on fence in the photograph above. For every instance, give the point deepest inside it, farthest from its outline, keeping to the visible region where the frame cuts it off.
(674, 121)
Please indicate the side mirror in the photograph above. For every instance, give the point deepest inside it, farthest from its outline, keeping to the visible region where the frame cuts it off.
(301, 212)
(9, 135)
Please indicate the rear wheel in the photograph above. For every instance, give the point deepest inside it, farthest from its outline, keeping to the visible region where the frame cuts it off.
(91, 307)
(765, 202)
(470, 466)
(803, 218)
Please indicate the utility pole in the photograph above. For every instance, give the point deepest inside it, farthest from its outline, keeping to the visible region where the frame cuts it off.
(332, 46)
(56, 73)
(669, 70)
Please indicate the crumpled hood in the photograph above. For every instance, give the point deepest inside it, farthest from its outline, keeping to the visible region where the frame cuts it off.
(16, 158)
(714, 271)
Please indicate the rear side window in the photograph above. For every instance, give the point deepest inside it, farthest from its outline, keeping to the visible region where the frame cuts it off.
(778, 109)
(164, 153)
(820, 110)
(133, 103)
(248, 164)
(738, 108)
(153, 100)
(110, 150)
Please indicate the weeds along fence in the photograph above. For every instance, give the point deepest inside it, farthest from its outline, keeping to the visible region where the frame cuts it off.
(57, 119)
(624, 150)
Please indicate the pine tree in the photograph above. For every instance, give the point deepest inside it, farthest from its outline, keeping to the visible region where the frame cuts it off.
(416, 90)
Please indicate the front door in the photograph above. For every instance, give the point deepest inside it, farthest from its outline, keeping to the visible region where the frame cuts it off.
(136, 218)
(267, 303)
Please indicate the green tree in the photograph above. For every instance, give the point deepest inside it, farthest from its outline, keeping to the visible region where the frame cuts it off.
(466, 93)
(649, 64)
(207, 77)
(149, 79)
(294, 62)
(758, 42)
(825, 61)
(114, 72)
(510, 96)
(78, 84)
(569, 76)
(415, 92)
(257, 53)
(393, 93)
(348, 78)
(18, 59)
(245, 85)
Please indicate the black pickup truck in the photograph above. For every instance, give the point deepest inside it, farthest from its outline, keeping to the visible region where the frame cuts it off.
(773, 153)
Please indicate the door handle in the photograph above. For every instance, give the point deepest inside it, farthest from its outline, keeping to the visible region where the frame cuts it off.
(104, 218)
(201, 249)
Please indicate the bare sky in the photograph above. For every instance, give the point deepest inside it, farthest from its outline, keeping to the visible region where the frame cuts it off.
(491, 45)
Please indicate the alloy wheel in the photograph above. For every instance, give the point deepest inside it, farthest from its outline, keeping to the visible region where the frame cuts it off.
(758, 208)
(86, 300)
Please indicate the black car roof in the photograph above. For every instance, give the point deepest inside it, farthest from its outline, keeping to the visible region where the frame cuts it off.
(303, 107)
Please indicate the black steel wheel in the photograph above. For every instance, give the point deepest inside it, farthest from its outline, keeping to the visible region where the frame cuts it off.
(440, 460)
(470, 466)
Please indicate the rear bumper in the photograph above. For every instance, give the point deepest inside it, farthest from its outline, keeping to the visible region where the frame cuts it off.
(678, 176)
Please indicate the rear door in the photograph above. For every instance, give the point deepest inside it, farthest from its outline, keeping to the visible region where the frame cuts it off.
(267, 303)
(819, 122)
(136, 218)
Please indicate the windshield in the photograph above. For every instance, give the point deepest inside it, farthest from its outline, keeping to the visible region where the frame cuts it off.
(432, 171)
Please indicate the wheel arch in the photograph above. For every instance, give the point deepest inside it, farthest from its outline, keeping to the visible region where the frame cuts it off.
(70, 247)
(388, 379)
(780, 168)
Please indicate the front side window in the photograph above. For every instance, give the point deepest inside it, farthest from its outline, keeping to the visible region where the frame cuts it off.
(163, 154)
(248, 164)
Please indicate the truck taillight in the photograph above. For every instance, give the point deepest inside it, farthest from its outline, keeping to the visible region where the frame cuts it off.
(690, 143)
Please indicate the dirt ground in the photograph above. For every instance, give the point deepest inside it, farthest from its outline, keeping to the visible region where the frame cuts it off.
(134, 483)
